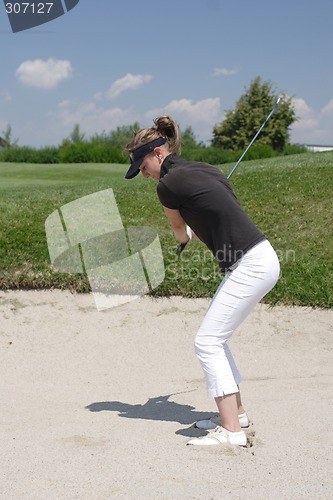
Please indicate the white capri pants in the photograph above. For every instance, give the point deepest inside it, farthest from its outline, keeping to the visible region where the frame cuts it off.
(241, 289)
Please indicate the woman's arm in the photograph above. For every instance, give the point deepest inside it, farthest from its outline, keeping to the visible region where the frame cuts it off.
(178, 225)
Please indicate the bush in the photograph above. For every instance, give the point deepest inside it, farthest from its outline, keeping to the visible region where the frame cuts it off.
(85, 152)
(19, 155)
(294, 149)
(75, 153)
(26, 154)
(257, 151)
(212, 155)
(219, 156)
(48, 155)
(99, 151)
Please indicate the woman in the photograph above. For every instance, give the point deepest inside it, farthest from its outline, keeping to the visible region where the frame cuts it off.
(199, 203)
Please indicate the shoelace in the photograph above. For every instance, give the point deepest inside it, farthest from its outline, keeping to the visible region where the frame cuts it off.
(217, 430)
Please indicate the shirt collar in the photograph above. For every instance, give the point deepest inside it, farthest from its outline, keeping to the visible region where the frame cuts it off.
(168, 163)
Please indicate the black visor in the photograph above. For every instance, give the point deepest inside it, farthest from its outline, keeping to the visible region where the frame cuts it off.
(139, 153)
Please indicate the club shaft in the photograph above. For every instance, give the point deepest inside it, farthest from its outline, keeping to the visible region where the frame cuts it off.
(254, 138)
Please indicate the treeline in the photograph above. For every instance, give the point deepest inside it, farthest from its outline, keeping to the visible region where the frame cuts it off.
(229, 140)
(108, 148)
(70, 153)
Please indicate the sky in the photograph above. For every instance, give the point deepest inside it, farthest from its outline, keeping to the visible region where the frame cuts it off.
(110, 63)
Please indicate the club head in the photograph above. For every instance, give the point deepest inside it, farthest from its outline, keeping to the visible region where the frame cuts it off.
(278, 103)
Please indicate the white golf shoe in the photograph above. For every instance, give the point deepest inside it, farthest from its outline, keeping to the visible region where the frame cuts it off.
(215, 421)
(220, 436)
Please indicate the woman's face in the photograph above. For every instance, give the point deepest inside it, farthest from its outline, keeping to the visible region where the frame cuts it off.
(151, 166)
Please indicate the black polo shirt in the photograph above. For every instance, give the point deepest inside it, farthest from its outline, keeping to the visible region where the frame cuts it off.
(207, 203)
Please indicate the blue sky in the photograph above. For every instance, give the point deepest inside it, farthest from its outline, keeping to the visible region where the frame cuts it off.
(109, 63)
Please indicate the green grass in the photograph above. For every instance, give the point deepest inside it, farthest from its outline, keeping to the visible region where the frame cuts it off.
(289, 198)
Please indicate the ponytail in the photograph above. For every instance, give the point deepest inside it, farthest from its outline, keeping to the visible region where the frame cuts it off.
(170, 130)
(164, 127)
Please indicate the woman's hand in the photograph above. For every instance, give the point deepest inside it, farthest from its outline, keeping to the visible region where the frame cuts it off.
(182, 231)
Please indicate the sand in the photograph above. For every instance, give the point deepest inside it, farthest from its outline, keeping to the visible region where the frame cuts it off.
(100, 405)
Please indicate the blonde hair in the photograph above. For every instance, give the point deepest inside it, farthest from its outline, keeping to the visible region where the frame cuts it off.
(164, 127)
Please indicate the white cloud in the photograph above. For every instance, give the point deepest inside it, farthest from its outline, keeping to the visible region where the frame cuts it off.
(225, 71)
(92, 118)
(312, 127)
(44, 74)
(307, 118)
(328, 109)
(301, 107)
(95, 118)
(128, 82)
(201, 115)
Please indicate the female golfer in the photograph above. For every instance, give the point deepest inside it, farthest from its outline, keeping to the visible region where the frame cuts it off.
(199, 203)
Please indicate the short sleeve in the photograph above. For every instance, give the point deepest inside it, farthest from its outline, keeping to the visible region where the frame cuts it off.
(167, 197)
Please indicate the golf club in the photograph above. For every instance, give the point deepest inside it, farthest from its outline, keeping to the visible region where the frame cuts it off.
(276, 106)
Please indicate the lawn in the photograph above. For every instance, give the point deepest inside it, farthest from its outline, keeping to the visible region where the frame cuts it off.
(289, 198)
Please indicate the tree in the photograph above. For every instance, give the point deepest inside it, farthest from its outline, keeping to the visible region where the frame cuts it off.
(241, 124)
(116, 138)
(8, 142)
(76, 136)
(124, 134)
(189, 140)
